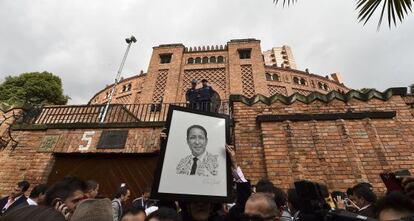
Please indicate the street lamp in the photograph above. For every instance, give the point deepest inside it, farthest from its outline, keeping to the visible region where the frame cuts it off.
(129, 41)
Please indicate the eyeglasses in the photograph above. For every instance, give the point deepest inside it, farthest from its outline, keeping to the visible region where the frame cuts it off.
(246, 217)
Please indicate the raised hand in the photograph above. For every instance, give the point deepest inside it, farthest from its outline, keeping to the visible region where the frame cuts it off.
(232, 154)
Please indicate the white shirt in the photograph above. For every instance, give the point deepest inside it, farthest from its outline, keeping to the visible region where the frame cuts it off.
(364, 207)
(31, 202)
(10, 202)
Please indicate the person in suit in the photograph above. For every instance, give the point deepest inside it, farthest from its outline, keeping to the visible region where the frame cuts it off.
(16, 199)
(191, 96)
(205, 93)
(38, 195)
(199, 162)
(144, 201)
(364, 199)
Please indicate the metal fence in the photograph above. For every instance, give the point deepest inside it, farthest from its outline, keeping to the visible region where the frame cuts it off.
(117, 113)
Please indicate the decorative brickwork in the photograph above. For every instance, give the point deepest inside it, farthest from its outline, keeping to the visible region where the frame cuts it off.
(247, 81)
(301, 91)
(336, 139)
(33, 159)
(216, 78)
(124, 99)
(137, 98)
(338, 152)
(273, 89)
(223, 68)
(160, 86)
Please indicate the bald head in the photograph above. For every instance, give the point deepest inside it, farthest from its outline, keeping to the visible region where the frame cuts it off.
(261, 205)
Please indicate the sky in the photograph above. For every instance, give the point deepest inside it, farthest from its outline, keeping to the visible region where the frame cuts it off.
(83, 41)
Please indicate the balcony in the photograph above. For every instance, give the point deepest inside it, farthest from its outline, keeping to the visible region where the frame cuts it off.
(117, 113)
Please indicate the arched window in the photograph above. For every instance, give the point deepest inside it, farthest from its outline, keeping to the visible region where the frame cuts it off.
(220, 59)
(275, 77)
(302, 81)
(325, 86)
(205, 60)
(268, 77)
(295, 80)
(198, 60)
(190, 61)
(213, 59)
(320, 85)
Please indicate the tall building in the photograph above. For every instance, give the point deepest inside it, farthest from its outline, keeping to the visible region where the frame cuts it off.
(280, 57)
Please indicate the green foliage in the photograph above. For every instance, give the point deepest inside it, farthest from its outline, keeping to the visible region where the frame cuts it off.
(394, 10)
(32, 89)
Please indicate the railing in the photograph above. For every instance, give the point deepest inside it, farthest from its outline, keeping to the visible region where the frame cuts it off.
(117, 113)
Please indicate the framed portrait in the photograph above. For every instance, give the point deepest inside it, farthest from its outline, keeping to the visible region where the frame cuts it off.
(193, 163)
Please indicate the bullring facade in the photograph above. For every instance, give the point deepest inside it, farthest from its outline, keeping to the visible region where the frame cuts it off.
(239, 67)
(286, 124)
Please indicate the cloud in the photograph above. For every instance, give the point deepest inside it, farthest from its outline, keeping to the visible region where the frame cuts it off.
(82, 41)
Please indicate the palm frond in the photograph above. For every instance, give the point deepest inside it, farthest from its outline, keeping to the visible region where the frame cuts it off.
(286, 2)
(395, 10)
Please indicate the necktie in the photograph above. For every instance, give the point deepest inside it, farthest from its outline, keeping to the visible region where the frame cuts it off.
(194, 167)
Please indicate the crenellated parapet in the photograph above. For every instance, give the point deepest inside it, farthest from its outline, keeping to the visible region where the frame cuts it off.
(206, 48)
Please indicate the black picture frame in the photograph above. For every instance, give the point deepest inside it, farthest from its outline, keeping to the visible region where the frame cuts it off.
(155, 194)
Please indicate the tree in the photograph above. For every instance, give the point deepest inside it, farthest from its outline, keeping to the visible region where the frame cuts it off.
(393, 9)
(32, 89)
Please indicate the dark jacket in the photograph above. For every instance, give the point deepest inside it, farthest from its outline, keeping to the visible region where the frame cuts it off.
(22, 201)
(191, 95)
(205, 93)
(244, 190)
(368, 212)
(235, 213)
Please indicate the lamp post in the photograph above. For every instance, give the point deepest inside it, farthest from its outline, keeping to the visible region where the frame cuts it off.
(129, 41)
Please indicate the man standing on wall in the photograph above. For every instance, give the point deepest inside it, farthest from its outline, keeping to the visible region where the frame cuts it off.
(191, 95)
(205, 94)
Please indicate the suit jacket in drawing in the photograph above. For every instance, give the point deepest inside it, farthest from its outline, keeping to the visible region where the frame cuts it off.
(207, 167)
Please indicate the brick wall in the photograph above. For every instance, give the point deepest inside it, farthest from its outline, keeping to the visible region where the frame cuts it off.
(339, 152)
(169, 81)
(33, 159)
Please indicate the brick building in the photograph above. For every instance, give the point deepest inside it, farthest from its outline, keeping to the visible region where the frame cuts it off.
(287, 124)
(239, 67)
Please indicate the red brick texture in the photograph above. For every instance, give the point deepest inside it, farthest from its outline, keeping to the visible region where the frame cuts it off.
(31, 161)
(339, 153)
(233, 76)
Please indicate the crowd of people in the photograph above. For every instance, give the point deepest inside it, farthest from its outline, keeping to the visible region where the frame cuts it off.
(74, 199)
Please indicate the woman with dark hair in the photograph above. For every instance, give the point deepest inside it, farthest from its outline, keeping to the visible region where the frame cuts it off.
(33, 213)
